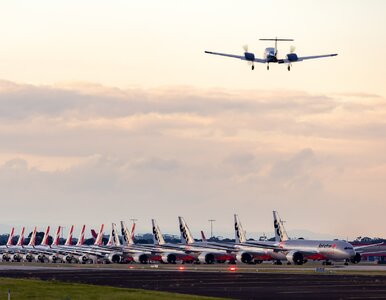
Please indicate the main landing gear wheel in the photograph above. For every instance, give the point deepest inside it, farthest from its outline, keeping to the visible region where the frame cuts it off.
(253, 67)
(267, 67)
(289, 68)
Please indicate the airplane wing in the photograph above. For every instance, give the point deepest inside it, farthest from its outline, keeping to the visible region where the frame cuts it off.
(242, 57)
(301, 58)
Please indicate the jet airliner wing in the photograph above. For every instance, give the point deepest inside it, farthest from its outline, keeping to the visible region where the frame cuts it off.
(242, 57)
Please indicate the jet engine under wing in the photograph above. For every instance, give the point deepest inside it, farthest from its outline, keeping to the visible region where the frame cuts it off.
(242, 57)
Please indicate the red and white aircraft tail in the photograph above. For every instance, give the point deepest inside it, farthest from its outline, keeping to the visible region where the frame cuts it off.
(203, 237)
(69, 237)
(10, 238)
(55, 242)
(32, 240)
(45, 237)
(81, 236)
(20, 241)
(98, 240)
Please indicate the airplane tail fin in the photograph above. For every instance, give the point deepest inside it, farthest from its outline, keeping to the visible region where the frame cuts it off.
(280, 232)
(203, 237)
(127, 238)
(81, 236)
(69, 237)
(186, 235)
(110, 242)
(98, 240)
(132, 231)
(239, 231)
(10, 238)
(32, 240)
(20, 241)
(114, 238)
(158, 239)
(45, 237)
(117, 242)
(55, 242)
(93, 234)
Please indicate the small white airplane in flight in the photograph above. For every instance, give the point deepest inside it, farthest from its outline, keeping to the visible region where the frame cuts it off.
(270, 55)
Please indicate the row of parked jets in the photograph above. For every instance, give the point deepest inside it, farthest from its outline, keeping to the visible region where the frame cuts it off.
(292, 251)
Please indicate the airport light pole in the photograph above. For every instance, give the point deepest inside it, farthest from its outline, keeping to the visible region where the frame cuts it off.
(211, 226)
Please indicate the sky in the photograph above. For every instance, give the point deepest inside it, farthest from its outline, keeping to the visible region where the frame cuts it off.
(110, 110)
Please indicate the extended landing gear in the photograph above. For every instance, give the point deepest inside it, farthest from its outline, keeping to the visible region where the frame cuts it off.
(289, 68)
(253, 67)
(327, 263)
(277, 262)
(268, 67)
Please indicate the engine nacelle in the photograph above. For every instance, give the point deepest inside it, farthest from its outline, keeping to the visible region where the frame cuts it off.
(292, 57)
(169, 258)
(16, 257)
(295, 257)
(54, 258)
(6, 257)
(356, 259)
(68, 258)
(114, 258)
(83, 259)
(249, 56)
(40, 257)
(141, 258)
(28, 257)
(207, 258)
(244, 257)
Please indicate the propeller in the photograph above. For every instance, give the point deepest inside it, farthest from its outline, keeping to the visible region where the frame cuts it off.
(245, 47)
(292, 49)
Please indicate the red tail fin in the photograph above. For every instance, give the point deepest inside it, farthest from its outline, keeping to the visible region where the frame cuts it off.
(94, 234)
(20, 241)
(81, 236)
(132, 231)
(69, 237)
(10, 238)
(32, 240)
(55, 242)
(203, 236)
(98, 240)
(45, 237)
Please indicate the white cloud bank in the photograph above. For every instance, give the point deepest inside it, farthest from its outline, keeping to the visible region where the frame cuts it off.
(88, 153)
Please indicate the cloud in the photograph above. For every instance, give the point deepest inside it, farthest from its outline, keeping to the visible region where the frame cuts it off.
(98, 153)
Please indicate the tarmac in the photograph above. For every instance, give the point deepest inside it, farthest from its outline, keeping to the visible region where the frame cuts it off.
(239, 283)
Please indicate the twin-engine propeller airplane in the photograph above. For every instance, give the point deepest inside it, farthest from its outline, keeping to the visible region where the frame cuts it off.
(270, 55)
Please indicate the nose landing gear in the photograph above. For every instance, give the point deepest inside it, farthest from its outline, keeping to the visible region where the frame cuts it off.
(289, 68)
(253, 67)
(268, 67)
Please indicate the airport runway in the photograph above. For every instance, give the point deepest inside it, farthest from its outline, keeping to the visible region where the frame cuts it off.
(236, 285)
